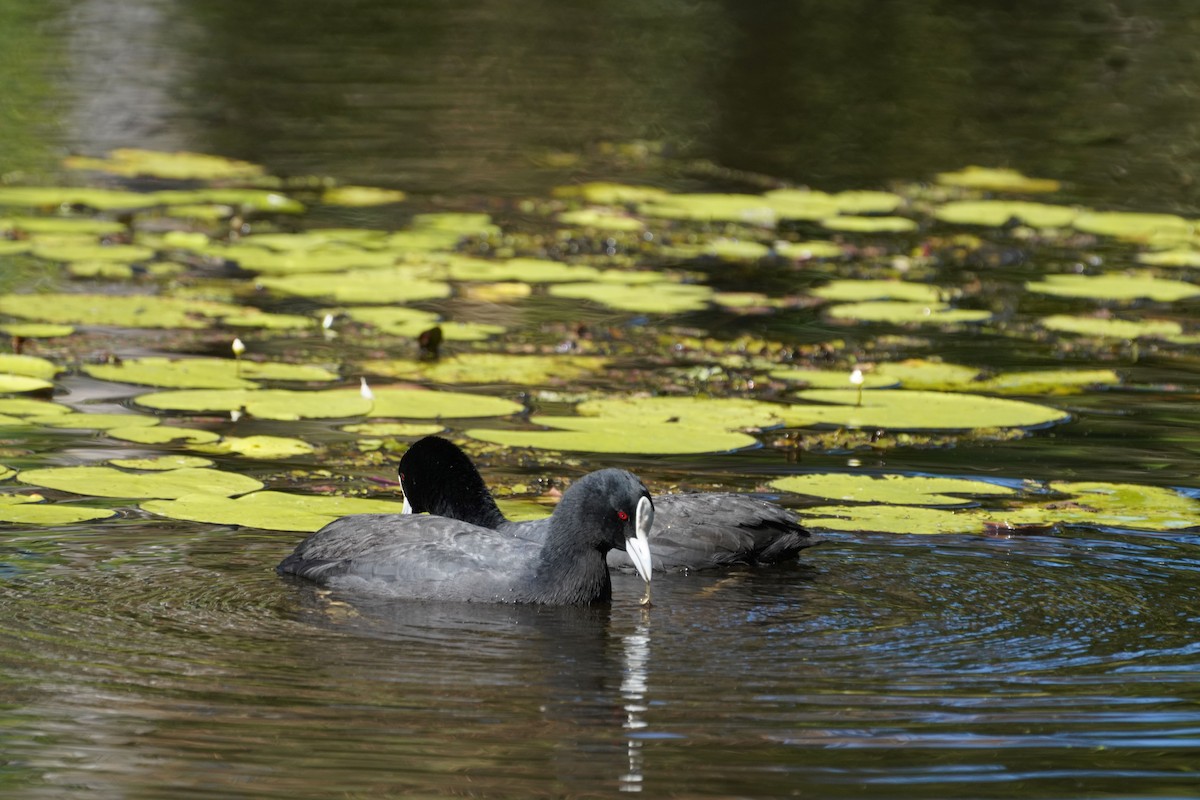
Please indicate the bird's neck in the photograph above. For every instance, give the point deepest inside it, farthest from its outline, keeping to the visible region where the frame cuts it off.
(572, 573)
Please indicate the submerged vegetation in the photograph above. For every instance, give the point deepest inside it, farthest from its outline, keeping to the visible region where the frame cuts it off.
(586, 322)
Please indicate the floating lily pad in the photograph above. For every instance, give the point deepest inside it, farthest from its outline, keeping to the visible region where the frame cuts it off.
(1131, 225)
(411, 322)
(1113, 328)
(856, 290)
(907, 313)
(6, 472)
(1180, 257)
(110, 482)
(93, 252)
(96, 422)
(276, 511)
(23, 383)
(746, 208)
(801, 204)
(67, 196)
(997, 213)
(997, 180)
(161, 462)
(602, 219)
(265, 447)
(657, 298)
(527, 270)
(1116, 286)
(104, 270)
(919, 373)
(37, 330)
(253, 318)
(20, 407)
(162, 434)
(613, 194)
(125, 311)
(833, 378)
(915, 490)
(853, 224)
(891, 519)
(803, 251)
(177, 166)
(737, 250)
(491, 368)
(941, 376)
(1123, 505)
(28, 365)
(283, 404)
(30, 509)
(288, 264)
(393, 429)
(204, 373)
(361, 196)
(903, 409)
(394, 285)
(89, 226)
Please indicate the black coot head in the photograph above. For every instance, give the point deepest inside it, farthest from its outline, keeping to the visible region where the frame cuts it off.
(610, 508)
(438, 477)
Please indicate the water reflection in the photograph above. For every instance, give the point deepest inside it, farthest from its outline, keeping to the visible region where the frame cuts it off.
(633, 692)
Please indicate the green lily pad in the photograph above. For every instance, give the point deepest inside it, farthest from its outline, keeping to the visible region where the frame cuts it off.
(804, 251)
(745, 208)
(288, 264)
(1124, 505)
(101, 270)
(204, 373)
(1179, 257)
(275, 511)
(358, 196)
(857, 201)
(907, 313)
(264, 447)
(941, 376)
(246, 199)
(393, 429)
(127, 253)
(253, 318)
(997, 180)
(852, 224)
(491, 368)
(411, 322)
(856, 290)
(904, 409)
(89, 226)
(95, 422)
(1113, 328)
(526, 270)
(177, 166)
(67, 196)
(1130, 225)
(382, 286)
(29, 365)
(23, 383)
(110, 482)
(161, 462)
(602, 219)
(1116, 286)
(6, 472)
(283, 404)
(20, 407)
(30, 509)
(801, 204)
(162, 434)
(833, 378)
(613, 194)
(657, 298)
(997, 213)
(737, 250)
(905, 490)
(37, 330)
(123, 311)
(919, 373)
(891, 519)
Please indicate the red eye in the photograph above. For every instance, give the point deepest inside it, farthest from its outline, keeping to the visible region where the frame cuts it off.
(622, 516)
(402, 477)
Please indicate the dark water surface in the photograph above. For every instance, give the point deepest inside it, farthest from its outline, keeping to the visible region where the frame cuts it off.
(150, 658)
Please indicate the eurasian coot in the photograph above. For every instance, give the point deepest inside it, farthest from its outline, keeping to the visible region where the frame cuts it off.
(691, 531)
(437, 558)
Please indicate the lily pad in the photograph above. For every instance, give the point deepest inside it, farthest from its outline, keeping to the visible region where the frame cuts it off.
(891, 519)
(393, 285)
(127, 253)
(613, 194)
(37, 330)
(393, 429)
(602, 219)
(253, 318)
(275, 511)
(1116, 286)
(179, 165)
(997, 213)
(746, 208)
(527, 270)
(96, 422)
(264, 447)
(23, 383)
(110, 482)
(914, 490)
(657, 298)
(283, 404)
(997, 180)
(804, 251)
(491, 368)
(20, 407)
(853, 224)
(941, 376)
(358, 196)
(907, 313)
(1123, 505)
(1179, 257)
(30, 366)
(903, 409)
(89, 226)
(123, 311)
(6, 472)
(1131, 225)
(162, 434)
(411, 322)
(204, 373)
(833, 378)
(1107, 328)
(161, 462)
(30, 509)
(856, 290)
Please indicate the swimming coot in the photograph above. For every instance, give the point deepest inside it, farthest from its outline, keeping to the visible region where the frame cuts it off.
(437, 558)
(691, 531)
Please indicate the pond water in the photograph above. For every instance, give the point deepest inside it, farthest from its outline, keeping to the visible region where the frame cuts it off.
(143, 656)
